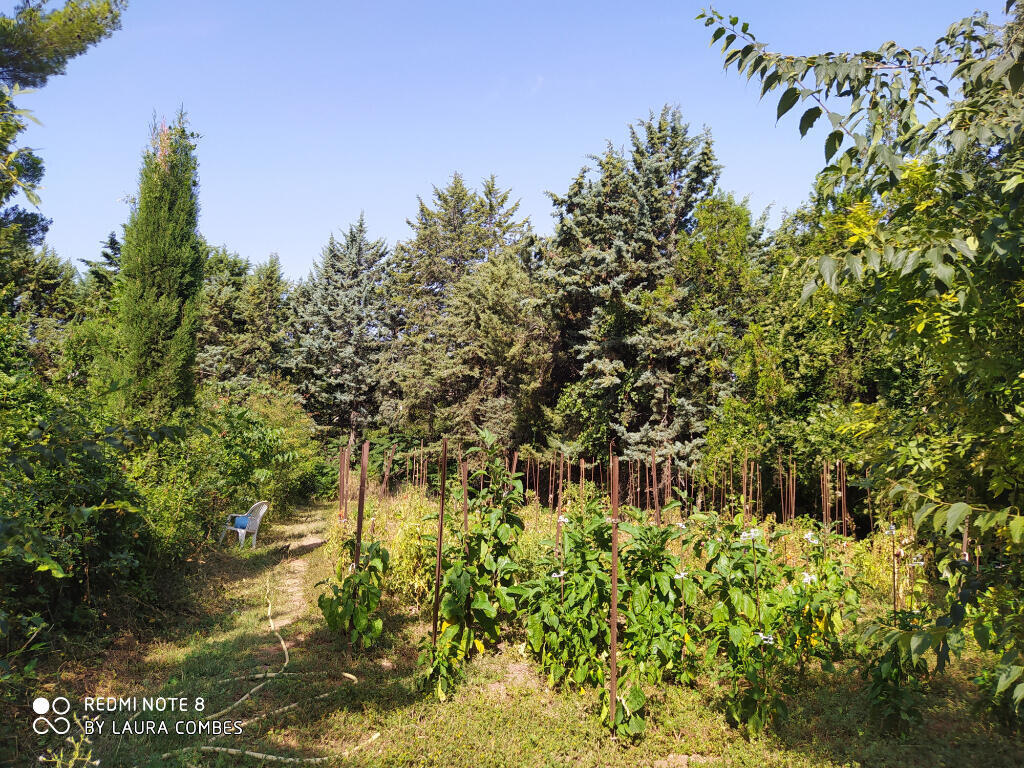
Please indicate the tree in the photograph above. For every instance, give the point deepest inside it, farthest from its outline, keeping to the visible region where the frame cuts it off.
(459, 232)
(498, 340)
(224, 274)
(614, 252)
(263, 313)
(36, 44)
(926, 155)
(158, 286)
(335, 332)
(98, 286)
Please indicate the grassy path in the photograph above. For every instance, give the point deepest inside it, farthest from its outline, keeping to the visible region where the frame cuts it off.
(330, 705)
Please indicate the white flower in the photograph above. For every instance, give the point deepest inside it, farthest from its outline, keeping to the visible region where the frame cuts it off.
(563, 519)
(890, 531)
(682, 574)
(809, 578)
(766, 639)
(906, 540)
(557, 574)
(810, 537)
(681, 526)
(609, 520)
(917, 562)
(753, 533)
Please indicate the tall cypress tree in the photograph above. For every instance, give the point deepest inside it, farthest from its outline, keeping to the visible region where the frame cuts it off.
(335, 332)
(161, 276)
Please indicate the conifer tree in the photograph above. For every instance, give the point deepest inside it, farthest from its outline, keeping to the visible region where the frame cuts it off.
(263, 313)
(614, 257)
(335, 331)
(98, 285)
(161, 276)
(451, 237)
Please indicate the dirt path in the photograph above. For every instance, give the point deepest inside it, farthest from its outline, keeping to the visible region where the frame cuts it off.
(302, 535)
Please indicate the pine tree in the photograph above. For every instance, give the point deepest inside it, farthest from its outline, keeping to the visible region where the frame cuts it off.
(224, 275)
(263, 313)
(335, 333)
(161, 276)
(614, 257)
(97, 287)
(452, 237)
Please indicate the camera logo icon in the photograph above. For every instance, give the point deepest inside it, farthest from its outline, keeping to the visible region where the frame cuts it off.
(59, 707)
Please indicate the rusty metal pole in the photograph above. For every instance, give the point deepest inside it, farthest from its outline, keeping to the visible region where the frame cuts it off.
(583, 475)
(341, 482)
(362, 503)
(348, 472)
(614, 620)
(654, 487)
(440, 534)
(464, 470)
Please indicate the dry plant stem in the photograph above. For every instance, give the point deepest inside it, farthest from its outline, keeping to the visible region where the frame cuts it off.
(260, 676)
(278, 759)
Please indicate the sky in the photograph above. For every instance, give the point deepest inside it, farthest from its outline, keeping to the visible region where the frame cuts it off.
(312, 112)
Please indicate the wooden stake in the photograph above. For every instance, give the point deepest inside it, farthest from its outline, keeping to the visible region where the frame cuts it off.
(464, 471)
(654, 488)
(440, 534)
(583, 475)
(362, 504)
(341, 483)
(348, 471)
(614, 619)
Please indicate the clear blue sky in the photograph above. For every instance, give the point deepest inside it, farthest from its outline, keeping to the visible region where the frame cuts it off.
(311, 112)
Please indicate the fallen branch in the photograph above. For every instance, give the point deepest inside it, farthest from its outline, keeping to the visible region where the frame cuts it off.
(277, 758)
(260, 676)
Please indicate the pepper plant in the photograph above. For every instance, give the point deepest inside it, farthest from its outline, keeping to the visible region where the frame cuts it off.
(349, 609)
(478, 571)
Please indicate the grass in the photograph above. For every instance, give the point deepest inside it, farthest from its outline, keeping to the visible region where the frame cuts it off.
(504, 715)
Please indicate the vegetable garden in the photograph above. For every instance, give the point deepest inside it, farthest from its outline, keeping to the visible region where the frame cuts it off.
(625, 597)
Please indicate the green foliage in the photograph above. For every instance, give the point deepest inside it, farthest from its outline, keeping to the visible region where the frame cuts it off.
(412, 561)
(461, 346)
(634, 355)
(924, 164)
(349, 609)
(157, 288)
(479, 568)
(895, 667)
(335, 331)
(247, 446)
(37, 44)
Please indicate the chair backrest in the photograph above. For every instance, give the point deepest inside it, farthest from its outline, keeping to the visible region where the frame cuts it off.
(255, 515)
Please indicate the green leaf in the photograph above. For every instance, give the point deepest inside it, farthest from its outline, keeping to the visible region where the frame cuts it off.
(786, 102)
(1008, 676)
(635, 699)
(832, 144)
(1016, 527)
(808, 119)
(920, 643)
(955, 516)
